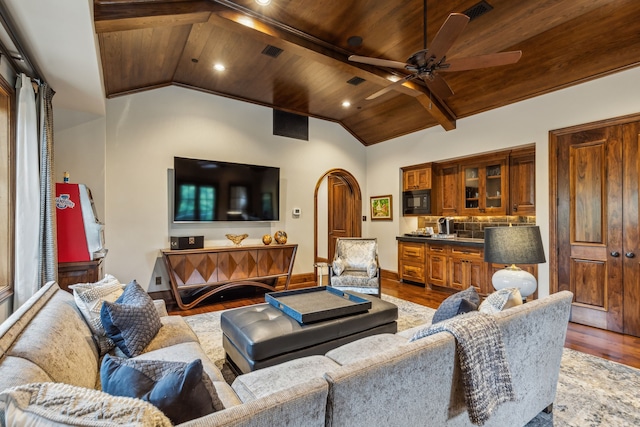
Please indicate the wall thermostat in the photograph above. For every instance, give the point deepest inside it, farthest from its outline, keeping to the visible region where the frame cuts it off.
(296, 212)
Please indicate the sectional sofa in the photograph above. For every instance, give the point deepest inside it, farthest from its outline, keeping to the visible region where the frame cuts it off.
(46, 347)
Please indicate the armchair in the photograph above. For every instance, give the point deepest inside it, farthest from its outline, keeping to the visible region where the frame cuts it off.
(355, 266)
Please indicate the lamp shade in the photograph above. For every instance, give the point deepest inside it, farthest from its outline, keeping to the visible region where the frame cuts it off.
(513, 245)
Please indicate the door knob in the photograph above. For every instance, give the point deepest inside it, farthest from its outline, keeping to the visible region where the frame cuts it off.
(629, 254)
(615, 254)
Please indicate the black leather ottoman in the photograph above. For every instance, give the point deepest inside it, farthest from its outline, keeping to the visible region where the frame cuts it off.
(258, 336)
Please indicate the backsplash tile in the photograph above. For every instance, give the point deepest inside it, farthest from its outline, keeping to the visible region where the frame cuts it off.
(473, 226)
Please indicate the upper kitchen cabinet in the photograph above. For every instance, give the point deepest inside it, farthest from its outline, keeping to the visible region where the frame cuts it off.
(416, 178)
(522, 171)
(447, 189)
(485, 186)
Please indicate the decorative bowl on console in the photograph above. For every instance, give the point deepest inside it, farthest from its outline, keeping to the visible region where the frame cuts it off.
(280, 237)
(267, 239)
(236, 238)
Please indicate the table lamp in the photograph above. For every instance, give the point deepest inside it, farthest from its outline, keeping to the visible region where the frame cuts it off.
(514, 245)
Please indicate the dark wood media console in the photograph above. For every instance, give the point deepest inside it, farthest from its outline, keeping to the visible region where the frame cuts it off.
(196, 274)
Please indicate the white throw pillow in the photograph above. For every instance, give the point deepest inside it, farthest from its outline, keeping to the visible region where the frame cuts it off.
(59, 404)
(89, 298)
(501, 300)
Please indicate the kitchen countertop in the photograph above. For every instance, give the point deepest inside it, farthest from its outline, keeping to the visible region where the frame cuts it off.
(459, 241)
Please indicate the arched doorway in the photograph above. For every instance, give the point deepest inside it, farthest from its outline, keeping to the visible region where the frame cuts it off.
(338, 212)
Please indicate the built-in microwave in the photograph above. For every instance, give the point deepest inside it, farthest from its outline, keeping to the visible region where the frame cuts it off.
(417, 202)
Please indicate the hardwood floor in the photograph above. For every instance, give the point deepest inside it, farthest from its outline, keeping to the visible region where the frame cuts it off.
(620, 348)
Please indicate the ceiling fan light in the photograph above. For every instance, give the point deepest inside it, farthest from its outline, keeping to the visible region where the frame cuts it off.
(263, 2)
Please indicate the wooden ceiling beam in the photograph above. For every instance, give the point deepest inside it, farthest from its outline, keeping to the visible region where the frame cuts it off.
(306, 46)
(133, 15)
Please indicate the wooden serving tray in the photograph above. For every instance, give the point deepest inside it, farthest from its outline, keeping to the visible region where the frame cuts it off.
(318, 303)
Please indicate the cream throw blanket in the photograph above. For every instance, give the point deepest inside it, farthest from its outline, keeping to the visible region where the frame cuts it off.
(485, 371)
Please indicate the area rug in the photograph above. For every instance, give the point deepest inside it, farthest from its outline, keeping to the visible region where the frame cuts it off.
(591, 391)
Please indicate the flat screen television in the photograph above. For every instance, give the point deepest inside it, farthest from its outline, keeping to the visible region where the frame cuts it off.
(207, 190)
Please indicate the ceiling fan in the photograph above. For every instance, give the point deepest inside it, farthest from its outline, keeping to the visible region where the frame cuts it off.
(426, 63)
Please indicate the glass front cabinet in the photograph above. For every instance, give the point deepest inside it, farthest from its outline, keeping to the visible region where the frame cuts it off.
(485, 186)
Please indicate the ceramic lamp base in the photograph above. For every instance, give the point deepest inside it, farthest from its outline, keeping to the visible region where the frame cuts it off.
(514, 277)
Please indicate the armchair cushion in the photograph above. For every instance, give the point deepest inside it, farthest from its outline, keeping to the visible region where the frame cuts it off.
(372, 269)
(338, 266)
(357, 254)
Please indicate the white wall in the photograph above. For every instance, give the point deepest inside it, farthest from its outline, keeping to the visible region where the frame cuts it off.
(518, 124)
(146, 130)
(80, 150)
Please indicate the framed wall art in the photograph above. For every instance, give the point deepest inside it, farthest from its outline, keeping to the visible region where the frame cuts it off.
(381, 208)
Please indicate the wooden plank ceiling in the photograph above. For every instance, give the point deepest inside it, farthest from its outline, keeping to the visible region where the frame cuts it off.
(146, 44)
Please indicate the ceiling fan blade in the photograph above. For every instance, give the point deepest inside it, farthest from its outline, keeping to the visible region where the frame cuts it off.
(482, 61)
(438, 86)
(447, 35)
(377, 62)
(390, 87)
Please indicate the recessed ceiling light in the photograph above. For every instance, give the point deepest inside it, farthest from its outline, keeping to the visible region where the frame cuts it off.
(263, 2)
(393, 78)
(246, 21)
(346, 104)
(219, 67)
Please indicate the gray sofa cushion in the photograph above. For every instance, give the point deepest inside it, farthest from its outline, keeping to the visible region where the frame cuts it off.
(263, 382)
(59, 341)
(364, 348)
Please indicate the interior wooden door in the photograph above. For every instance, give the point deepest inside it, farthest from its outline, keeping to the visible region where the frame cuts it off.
(590, 225)
(631, 221)
(341, 212)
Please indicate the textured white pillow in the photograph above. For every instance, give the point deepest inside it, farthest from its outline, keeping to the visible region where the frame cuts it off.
(338, 266)
(89, 298)
(372, 269)
(501, 300)
(59, 404)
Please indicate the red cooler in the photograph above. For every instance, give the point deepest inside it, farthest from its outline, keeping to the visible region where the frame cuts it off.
(80, 234)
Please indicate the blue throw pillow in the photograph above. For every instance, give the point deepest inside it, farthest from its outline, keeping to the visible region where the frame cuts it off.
(458, 303)
(182, 391)
(132, 321)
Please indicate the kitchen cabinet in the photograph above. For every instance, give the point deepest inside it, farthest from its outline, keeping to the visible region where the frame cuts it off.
(500, 183)
(416, 179)
(437, 265)
(522, 182)
(484, 187)
(447, 189)
(466, 268)
(411, 261)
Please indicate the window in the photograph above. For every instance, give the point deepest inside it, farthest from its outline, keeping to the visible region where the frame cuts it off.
(196, 201)
(7, 97)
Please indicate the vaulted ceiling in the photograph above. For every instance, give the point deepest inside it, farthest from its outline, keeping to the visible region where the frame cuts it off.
(293, 54)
